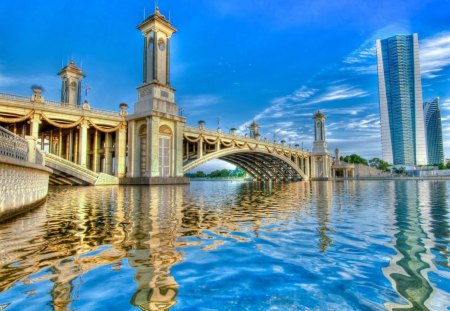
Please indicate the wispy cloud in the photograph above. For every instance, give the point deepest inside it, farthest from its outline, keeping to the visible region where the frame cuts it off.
(198, 105)
(339, 92)
(435, 55)
(6, 81)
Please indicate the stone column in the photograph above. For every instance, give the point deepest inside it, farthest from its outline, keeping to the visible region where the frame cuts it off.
(76, 147)
(34, 125)
(153, 146)
(217, 147)
(178, 154)
(50, 143)
(132, 150)
(70, 158)
(200, 148)
(60, 143)
(31, 148)
(95, 155)
(307, 170)
(89, 150)
(121, 151)
(83, 144)
(108, 153)
(66, 154)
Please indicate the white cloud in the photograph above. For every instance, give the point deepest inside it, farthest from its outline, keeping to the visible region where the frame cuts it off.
(434, 55)
(339, 92)
(367, 51)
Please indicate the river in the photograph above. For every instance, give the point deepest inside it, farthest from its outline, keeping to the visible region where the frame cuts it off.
(230, 245)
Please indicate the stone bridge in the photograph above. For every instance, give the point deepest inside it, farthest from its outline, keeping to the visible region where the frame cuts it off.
(263, 160)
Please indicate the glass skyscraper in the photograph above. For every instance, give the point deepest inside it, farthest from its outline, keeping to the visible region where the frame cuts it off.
(401, 110)
(433, 130)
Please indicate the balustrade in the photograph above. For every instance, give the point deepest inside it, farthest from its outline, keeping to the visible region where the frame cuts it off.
(13, 146)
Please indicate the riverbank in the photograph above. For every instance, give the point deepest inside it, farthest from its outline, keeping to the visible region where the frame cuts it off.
(221, 179)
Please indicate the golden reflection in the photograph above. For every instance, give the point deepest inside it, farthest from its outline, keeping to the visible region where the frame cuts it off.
(323, 193)
(147, 228)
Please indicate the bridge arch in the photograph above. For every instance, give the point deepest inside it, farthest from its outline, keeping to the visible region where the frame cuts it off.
(259, 163)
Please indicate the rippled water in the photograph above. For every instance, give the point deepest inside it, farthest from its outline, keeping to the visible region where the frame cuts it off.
(356, 245)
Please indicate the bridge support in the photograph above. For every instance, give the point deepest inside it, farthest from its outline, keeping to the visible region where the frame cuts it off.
(155, 131)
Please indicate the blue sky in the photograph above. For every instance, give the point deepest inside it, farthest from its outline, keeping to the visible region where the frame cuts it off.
(236, 60)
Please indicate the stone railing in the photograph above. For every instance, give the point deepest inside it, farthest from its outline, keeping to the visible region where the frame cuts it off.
(39, 157)
(196, 130)
(70, 166)
(80, 107)
(14, 97)
(59, 104)
(13, 146)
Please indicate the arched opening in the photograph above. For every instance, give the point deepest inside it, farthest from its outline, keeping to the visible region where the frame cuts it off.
(143, 149)
(165, 154)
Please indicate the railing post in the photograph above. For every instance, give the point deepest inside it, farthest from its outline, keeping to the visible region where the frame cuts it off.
(31, 148)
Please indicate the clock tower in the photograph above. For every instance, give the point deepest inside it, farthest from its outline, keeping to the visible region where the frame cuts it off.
(320, 156)
(155, 130)
(156, 91)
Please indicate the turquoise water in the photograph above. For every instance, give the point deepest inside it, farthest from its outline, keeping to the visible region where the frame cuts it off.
(356, 245)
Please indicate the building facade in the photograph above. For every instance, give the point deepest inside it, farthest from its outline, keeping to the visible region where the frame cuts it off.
(401, 104)
(433, 130)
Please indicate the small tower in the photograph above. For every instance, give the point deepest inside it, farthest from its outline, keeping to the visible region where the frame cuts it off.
(71, 76)
(320, 144)
(254, 130)
(321, 159)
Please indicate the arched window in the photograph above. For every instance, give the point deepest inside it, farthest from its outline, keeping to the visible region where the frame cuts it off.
(165, 144)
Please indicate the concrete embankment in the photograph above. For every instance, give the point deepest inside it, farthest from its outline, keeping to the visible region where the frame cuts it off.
(23, 185)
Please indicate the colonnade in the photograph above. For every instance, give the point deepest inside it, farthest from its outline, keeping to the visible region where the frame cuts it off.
(83, 142)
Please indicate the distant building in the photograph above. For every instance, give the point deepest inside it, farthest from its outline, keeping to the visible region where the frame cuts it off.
(433, 130)
(400, 92)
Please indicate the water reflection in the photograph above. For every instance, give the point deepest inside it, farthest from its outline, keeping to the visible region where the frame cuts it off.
(303, 245)
(413, 204)
(323, 192)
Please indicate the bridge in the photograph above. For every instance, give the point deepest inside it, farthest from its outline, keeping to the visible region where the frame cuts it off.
(261, 159)
(153, 144)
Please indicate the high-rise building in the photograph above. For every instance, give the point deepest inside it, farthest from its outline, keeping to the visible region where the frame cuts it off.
(401, 105)
(433, 130)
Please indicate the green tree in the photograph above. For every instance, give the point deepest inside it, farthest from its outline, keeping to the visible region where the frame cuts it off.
(356, 159)
(400, 170)
(379, 164)
(200, 174)
(447, 166)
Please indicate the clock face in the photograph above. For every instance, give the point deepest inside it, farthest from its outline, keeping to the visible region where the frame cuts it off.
(318, 123)
(161, 45)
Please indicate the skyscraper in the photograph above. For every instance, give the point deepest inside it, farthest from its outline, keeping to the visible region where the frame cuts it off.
(400, 92)
(433, 130)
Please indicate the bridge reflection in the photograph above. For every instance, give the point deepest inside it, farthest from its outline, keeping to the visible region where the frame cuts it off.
(143, 228)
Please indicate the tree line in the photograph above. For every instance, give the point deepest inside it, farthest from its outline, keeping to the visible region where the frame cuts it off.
(380, 164)
(224, 173)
